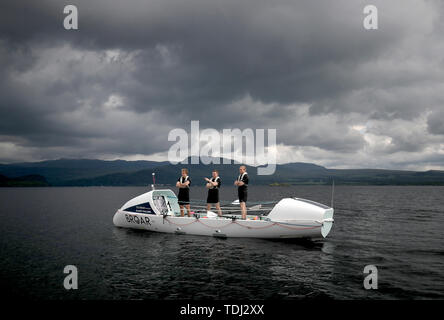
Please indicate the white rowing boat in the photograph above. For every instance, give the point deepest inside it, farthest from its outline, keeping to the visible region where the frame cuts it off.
(158, 210)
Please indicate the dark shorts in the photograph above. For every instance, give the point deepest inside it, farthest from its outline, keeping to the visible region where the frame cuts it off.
(184, 196)
(213, 196)
(242, 194)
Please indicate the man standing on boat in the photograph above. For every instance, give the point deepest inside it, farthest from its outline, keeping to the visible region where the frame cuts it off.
(183, 183)
(242, 188)
(213, 186)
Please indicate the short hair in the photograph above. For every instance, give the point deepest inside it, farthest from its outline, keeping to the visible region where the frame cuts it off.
(215, 170)
(185, 169)
(244, 167)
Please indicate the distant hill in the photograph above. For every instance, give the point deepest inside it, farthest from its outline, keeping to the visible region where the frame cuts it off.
(57, 172)
(24, 181)
(84, 172)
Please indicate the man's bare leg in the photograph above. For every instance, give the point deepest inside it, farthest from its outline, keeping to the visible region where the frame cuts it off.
(189, 210)
(244, 210)
(181, 210)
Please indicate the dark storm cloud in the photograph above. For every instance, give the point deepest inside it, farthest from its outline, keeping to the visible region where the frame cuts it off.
(136, 69)
(275, 51)
(435, 122)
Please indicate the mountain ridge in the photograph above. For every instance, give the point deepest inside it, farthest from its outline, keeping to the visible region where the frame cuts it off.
(95, 172)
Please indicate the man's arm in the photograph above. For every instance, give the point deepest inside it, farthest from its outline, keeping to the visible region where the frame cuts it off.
(185, 184)
(182, 185)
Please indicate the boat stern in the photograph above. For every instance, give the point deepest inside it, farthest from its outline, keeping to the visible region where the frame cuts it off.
(304, 212)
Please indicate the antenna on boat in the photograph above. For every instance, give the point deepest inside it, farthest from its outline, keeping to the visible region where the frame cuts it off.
(154, 181)
(332, 192)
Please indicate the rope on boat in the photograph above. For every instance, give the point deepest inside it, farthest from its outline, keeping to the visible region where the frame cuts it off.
(297, 228)
(264, 227)
(244, 226)
(212, 227)
(178, 224)
(279, 224)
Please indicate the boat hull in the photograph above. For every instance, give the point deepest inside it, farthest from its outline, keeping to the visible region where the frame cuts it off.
(219, 227)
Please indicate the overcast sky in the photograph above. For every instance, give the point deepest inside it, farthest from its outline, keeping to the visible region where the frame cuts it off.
(338, 95)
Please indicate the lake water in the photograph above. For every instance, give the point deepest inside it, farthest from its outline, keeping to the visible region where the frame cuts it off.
(397, 229)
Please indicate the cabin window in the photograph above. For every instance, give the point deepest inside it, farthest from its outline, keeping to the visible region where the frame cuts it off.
(161, 204)
(165, 202)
